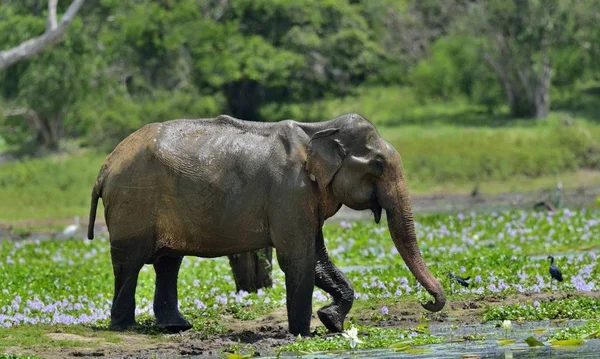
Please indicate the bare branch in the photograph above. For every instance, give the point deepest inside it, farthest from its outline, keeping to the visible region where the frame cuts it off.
(53, 35)
(52, 24)
(21, 111)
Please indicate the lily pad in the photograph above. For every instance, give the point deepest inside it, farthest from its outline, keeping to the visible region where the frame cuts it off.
(418, 351)
(568, 342)
(505, 341)
(532, 342)
(403, 344)
(540, 331)
(237, 356)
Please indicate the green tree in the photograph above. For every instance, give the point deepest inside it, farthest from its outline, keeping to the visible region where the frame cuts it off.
(40, 90)
(521, 38)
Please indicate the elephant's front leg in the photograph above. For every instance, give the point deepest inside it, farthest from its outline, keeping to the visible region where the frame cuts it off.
(333, 281)
(297, 261)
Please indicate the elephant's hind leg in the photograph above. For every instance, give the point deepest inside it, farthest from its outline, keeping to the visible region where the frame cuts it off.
(165, 295)
(252, 270)
(333, 281)
(126, 271)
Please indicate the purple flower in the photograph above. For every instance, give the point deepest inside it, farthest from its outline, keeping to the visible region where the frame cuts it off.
(319, 296)
(199, 304)
(536, 304)
(384, 310)
(345, 224)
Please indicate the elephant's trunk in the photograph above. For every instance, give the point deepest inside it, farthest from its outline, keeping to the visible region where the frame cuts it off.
(394, 199)
(403, 234)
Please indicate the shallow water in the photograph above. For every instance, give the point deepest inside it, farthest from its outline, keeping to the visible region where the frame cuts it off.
(488, 348)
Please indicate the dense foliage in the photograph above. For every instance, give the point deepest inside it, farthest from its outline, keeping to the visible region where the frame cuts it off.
(124, 64)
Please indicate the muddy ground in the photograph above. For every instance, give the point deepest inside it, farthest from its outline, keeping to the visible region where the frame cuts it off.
(263, 335)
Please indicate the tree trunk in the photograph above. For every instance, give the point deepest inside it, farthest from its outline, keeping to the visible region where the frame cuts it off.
(244, 99)
(542, 91)
(52, 128)
(527, 90)
(252, 270)
(46, 131)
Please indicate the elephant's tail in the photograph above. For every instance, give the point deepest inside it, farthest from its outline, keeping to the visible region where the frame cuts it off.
(95, 196)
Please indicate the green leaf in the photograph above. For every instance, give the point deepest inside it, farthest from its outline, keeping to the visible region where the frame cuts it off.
(418, 351)
(568, 342)
(532, 342)
(505, 341)
(402, 346)
(591, 335)
(237, 356)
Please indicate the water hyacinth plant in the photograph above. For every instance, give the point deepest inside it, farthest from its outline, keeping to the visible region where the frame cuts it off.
(505, 254)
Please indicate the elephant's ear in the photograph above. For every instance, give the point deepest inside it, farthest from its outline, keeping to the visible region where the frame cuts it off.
(325, 155)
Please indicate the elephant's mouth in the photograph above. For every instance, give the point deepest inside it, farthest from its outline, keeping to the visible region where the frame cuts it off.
(375, 207)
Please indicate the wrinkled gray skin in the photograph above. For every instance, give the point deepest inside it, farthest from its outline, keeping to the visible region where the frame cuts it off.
(215, 187)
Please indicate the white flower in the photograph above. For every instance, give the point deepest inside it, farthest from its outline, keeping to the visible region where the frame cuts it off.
(352, 336)
(506, 325)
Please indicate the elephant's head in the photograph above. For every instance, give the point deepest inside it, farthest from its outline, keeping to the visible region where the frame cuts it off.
(349, 159)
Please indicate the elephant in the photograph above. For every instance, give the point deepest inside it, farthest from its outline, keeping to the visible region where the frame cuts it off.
(252, 270)
(224, 186)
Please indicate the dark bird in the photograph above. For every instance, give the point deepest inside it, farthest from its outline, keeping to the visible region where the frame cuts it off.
(462, 281)
(543, 205)
(475, 191)
(554, 271)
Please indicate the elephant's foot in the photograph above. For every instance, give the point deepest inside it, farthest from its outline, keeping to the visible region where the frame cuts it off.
(121, 325)
(333, 316)
(174, 324)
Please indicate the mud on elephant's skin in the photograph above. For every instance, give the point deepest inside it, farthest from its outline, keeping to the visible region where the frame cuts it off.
(215, 187)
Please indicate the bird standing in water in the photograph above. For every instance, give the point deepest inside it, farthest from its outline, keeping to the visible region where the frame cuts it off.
(554, 271)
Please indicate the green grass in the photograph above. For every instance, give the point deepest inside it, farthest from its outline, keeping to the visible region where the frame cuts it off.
(48, 188)
(38, 335)
(67, 286)
(449, 154)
